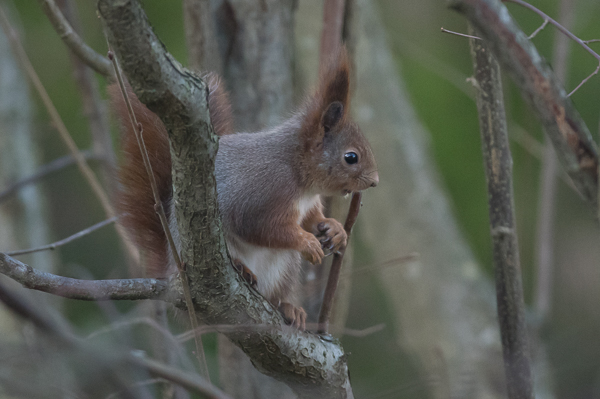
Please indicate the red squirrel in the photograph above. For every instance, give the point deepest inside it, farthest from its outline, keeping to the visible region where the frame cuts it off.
(269, 184)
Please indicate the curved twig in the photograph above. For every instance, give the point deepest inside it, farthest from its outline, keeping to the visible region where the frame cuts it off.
(94, 60)
(64, 241)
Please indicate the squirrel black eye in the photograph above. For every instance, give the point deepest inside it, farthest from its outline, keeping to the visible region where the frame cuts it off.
(351, 158)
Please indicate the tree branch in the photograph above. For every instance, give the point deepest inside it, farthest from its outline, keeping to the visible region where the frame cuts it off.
(94, 60)
(311, 366)
(546, 96)
(498, 170)
(87, 290)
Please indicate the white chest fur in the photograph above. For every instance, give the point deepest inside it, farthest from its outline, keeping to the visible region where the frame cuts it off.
(272, 266)
(306, 203)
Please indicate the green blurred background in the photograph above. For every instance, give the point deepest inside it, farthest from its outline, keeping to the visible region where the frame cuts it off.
(434, 67)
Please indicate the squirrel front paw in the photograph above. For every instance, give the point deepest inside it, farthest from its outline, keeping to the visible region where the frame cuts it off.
(310, 248)
(332, 235)
(296, 317)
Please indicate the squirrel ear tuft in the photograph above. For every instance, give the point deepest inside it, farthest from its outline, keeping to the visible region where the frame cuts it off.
(332, 115)
(335, 82)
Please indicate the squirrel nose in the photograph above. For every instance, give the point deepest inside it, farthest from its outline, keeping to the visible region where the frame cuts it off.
(375, 179)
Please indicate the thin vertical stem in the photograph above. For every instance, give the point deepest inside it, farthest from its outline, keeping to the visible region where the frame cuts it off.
(547, 198)
(498, 169)
(336, 267)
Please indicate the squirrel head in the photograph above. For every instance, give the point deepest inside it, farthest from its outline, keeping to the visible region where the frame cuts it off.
(337, 158)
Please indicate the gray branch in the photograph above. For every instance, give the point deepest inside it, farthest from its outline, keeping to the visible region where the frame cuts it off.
(311, 366)
(540, 88)
(88, 290)
(94, 60)
(498, 171)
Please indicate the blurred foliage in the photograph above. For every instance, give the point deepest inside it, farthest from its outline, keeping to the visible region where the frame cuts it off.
(434, 66)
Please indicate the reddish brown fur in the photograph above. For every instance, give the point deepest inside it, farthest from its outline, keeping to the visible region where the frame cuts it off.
(334, 85)
(135, 201)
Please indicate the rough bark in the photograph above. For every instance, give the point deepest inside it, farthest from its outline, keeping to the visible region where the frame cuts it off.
(312, 367)
(498, 171)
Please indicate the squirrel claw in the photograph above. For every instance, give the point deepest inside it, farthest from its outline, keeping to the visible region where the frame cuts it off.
(311, 249)
(332, 235)
(293, 315)
(246, 273)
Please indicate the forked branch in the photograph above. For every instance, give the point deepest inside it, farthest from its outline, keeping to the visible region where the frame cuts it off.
(540, 88)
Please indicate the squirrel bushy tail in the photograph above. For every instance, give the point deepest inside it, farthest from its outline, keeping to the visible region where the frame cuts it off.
(135, 201)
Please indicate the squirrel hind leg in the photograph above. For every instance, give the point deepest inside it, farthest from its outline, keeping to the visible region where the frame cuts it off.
(295, 316)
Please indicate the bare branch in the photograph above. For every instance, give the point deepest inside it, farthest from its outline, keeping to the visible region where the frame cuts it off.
(64, 241)
(545, 227)
(88, 290)
(62, 130)
(538, 30)
(563, 124)
(584, 80)
(192, 382)
(444, 30)
(582, 43)
(94, 107)
(336, 267)
(94, 60)
(48, 169)
(498, 169)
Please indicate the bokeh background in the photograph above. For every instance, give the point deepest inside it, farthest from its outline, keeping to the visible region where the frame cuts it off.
(434, 67)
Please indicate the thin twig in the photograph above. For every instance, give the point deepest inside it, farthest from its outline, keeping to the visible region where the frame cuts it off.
(591, 41)
(94, 107)
(62, 130)
(94, 60)
(383, 265)
(64, 241)
(582, 43)
(584, 80)
(87, 290)
(45, 170)
(336, 266)
(159, 208)
(498, 169)
(544, 237)
(116, 395)
(444, 30)
(193, 382)
(538, 30)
